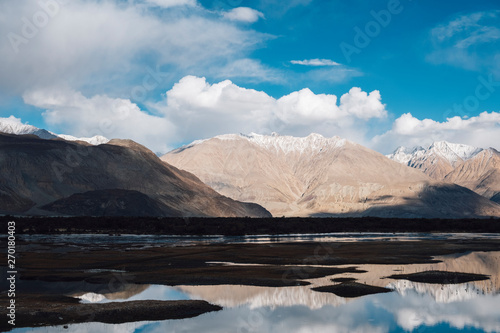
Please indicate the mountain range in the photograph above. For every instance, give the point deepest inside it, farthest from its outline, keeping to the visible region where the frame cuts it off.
(317, 176)
(475, 168)
(45, 173)
(120, 178)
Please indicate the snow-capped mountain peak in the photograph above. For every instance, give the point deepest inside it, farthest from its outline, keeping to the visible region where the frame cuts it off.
(13, 125)
(318, 176)
(453, 152)
(95, 140)
(283, 143)
(288, 144)
(450, 152)
(404, 155)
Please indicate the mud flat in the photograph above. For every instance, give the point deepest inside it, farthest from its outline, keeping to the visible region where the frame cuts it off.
(48, 273)
(440, 277)
(352, 289)
(49, 310)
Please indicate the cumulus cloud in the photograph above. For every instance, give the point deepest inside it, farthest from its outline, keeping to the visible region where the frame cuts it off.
(71, 112)
(243, 14)
(315, 62)
(196, 109)
(481, 131)
(363, 105)
(12, 121)
(305, 106)
(201, 110)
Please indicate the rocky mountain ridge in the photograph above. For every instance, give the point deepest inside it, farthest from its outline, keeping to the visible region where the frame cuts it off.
(317, 176)
(12, 126)
(121, 178)
(477, 169)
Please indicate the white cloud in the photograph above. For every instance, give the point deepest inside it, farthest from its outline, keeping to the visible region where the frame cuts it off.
(484, 35)
(458, 25)
(469, 41)
(68, 111)
(202, 110)
(12, 121)
(304, 105)
(363, 105)
(250, 69)
(481, 131)
(196, 109)
(100, 46)
(315, 62)
(468, 30)
(243, 14)
(333, 74)
(172, 3)
(325, 70)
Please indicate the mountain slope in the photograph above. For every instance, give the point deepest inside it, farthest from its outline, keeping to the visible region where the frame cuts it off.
(95, 140)
(480, 174)
(36, 172)
(321, 176)
(475, 168)
(108, 203)
(437, 160)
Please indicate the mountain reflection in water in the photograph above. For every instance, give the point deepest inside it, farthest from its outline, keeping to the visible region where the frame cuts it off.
(414, 307)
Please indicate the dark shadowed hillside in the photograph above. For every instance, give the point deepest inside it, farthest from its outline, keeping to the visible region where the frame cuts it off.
(42, 177)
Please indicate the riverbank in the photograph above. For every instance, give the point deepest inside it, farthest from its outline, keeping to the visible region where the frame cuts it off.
(243, 226)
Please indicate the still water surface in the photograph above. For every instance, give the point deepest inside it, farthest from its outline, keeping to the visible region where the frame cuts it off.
(411, 307)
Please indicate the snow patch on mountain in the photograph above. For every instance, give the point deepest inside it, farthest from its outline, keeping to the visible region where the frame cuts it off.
(454, 152)
(284, 143)
(289, 144)
(404, 155)
(95, 140)
(451, 152)
(441, 294)
(13, 125)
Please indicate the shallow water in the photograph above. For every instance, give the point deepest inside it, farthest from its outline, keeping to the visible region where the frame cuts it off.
(410, 307)
(150, 292)
(413, 311)
(152, 240)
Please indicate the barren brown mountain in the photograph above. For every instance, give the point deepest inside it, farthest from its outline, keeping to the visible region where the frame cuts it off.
(119, 178)
(474, 168)
(436, 161)
(480, 174)
(317, 176)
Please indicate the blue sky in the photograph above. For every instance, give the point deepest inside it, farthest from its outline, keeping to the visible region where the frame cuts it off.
(381, 73)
